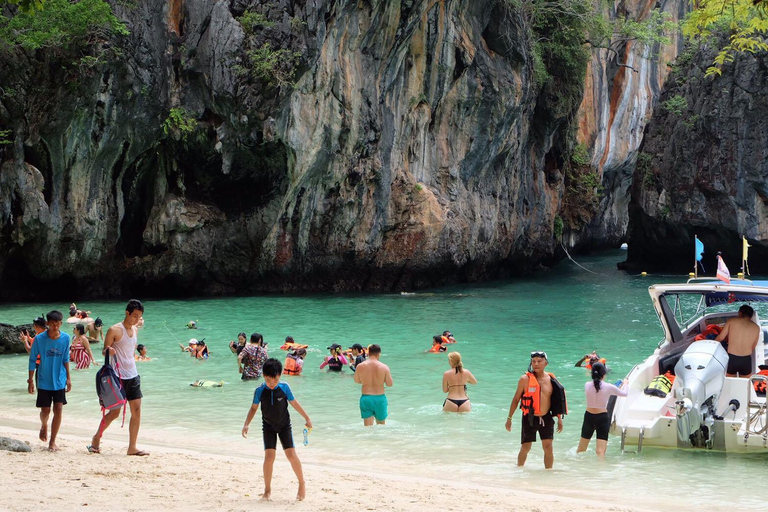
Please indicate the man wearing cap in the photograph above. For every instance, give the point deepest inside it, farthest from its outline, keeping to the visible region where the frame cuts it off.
(192, 348)
(373, 375)
(358, 354)
(540, 405)
(336, 361)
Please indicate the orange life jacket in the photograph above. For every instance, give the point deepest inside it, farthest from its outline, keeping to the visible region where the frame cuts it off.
(760, 386)
(589, 365)
(292, 346)
(530, 402)
(291, 367)
(437, 347)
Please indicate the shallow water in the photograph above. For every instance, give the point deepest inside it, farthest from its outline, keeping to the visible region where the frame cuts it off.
(567, 312)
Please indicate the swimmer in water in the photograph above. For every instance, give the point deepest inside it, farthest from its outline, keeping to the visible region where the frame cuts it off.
(142, 353)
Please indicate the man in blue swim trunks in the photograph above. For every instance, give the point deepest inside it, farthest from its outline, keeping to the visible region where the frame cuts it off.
(373, 375)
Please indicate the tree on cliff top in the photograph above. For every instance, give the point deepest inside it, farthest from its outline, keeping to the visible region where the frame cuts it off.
(746, 22)
(61, 24)
(28, 6)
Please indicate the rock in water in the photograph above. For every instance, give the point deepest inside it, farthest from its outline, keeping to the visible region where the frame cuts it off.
(13, 445)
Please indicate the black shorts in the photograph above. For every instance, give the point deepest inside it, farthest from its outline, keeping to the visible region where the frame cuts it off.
(740, 364)
(596, 422)
(45, 397)
(544, 425)
(132, 388)
(271, 434)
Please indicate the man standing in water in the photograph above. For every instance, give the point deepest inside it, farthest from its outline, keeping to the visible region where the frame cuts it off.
(373, 375)
(742, 334)
(121, 344)
(541, 397)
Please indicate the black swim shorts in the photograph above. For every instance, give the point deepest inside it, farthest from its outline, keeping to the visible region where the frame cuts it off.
(132, 388)
(45, 397)
(271, 434)
(544, 425)
(740, 364)
(596, 422)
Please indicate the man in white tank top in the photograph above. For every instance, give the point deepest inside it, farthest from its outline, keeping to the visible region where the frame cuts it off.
(121, 343)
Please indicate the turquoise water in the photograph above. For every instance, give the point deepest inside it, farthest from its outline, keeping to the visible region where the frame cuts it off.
(567, 312)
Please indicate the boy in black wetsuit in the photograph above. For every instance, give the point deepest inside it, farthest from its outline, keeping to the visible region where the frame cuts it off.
(274, 397)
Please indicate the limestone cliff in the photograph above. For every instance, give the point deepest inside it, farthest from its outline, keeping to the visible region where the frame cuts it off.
(622, 87)
(403, 156)
(703, 168)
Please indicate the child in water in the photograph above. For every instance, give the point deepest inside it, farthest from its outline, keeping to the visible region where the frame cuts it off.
(336, 361)
(294, 362)
(276, 423)
(142, 353)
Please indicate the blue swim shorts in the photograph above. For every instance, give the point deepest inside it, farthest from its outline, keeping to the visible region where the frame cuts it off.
(373, 405)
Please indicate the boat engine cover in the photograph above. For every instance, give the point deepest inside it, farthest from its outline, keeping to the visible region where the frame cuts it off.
(701, 369)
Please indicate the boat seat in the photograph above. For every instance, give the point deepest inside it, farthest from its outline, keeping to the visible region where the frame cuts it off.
(668, 362)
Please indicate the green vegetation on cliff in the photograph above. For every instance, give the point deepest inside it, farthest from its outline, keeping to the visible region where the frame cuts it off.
(745, 21)
(265, 59)
(60, 25)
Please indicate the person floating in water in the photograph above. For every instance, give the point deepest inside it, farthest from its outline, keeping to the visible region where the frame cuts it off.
(202, 350)
(437, 344)
(448, 337)
(207, 384)
(541, 398)
(192, 348)
(142, 353)
(590, 359)
(336, 361)
(455, 383)
(192, 324)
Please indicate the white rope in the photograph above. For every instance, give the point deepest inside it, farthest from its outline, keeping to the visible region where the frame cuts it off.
(577, 264)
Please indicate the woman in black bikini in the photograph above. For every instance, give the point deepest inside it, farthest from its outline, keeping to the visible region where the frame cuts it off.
(455, 383)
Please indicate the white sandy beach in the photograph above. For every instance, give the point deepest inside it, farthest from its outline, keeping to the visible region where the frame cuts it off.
(177, 478)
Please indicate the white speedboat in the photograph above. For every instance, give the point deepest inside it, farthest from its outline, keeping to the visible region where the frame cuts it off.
(703, 408)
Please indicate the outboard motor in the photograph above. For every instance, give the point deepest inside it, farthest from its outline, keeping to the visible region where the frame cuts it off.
(701, 372)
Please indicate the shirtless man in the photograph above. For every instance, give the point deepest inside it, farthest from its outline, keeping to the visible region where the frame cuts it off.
(742, 334)
(373, 375)
(535, 390)
(94, 331)
(121, 344)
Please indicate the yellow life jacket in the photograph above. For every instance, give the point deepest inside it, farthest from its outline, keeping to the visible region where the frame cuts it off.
(661, 385)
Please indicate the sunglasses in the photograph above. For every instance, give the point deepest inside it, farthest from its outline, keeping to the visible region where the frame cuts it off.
(539, 354)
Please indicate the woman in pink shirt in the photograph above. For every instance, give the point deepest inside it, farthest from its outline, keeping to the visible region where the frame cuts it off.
(596, 416)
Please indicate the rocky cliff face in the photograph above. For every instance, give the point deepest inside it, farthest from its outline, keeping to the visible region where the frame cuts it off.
(703, 168)
(622, 87)
(404, 155)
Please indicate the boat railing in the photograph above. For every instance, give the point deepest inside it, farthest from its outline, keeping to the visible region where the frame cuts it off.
(714, 280)
(757, 412)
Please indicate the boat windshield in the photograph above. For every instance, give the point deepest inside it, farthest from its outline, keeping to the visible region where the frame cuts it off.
(687, 308)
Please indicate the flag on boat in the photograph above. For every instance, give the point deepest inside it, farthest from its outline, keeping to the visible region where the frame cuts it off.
(722, 271)
(700, 249)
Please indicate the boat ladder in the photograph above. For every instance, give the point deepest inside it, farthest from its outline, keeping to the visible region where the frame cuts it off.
(756, 421)
(639, 439)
